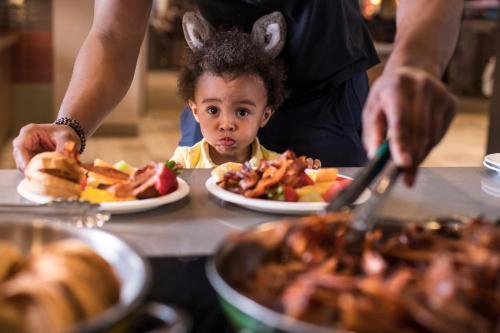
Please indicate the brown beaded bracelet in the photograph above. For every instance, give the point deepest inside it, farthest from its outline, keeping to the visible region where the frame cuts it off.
(75, 125)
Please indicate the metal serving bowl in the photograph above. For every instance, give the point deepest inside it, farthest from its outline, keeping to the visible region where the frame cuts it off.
(248, 315)
(131, 269)
(242, 311)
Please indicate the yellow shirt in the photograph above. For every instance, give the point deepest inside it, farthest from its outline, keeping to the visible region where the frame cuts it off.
(198, 156)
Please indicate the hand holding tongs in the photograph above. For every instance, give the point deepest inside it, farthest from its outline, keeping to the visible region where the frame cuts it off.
(364, 218)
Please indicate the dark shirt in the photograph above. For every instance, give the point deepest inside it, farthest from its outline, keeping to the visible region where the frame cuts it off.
(327, 40)
(327, 51)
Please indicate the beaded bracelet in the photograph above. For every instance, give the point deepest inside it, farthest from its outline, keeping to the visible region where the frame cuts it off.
(75, 125)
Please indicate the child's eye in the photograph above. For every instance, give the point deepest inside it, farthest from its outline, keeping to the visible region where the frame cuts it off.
(242, 113)
(212, 110)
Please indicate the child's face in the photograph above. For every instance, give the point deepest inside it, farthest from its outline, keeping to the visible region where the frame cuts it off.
(230, 112)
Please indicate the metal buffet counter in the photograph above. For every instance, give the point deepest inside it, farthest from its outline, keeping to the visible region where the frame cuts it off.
(177, 238)
(195, 225)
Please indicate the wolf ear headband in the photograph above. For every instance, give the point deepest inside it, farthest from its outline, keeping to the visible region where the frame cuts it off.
(268, 32)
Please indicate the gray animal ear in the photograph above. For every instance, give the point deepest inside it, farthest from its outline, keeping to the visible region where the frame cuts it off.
(269, 32)
(196, 30)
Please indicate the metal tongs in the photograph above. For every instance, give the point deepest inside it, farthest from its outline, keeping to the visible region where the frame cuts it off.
(74, 212)
(365, 216)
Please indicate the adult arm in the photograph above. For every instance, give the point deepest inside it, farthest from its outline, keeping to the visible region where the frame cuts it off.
(106, 62)
(409, 103)
(102, 74)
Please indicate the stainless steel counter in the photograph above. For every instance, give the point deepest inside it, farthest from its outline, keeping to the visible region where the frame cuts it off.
(195, 225)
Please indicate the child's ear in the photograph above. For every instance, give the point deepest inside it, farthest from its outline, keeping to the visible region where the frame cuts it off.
(192, 106)
(268, 112)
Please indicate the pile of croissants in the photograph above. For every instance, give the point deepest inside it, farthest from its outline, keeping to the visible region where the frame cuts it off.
(54, 287)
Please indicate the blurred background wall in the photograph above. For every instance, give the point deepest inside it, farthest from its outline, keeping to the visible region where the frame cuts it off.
(39, 40)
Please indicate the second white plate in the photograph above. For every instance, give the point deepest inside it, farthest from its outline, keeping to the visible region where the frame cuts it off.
(493, 160)
(273, 206)
(491, 167)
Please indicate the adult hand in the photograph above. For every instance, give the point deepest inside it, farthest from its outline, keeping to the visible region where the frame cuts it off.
(413, 109)
(37, 138)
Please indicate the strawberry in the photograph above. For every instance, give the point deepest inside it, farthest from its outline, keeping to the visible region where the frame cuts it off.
(167, 179)
(335, 188)
(290, 194)
(305, 180)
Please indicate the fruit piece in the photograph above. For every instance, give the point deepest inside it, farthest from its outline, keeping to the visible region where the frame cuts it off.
(95, 195)
(326, 175)
(309, 193)
(219, 171)
(290, 194)
(317, 187)
(124, 167)
(305, 180)
(311, 196)
(336, 187)
(172, 166)
(167, 179)
(323, 174)
(322, 187)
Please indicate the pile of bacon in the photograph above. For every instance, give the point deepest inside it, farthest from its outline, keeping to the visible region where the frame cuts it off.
(422, 279)
(269, 179)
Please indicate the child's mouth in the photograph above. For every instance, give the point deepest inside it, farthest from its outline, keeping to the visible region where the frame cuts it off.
(227, 142)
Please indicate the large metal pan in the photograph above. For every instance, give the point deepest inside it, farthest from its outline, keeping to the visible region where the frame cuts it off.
(245, 313)
(242, 311)
(132, 270)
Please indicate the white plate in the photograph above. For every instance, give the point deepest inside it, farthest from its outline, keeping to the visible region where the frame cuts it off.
(491, 185)
(273, 206)
(490, 189)
(490, 166)
(120, 207)
(493, 160)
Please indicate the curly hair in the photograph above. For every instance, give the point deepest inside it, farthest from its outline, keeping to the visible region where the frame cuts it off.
(233, 53)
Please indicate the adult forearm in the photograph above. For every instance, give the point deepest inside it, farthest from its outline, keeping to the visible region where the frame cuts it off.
(101, 77)
(427, 32)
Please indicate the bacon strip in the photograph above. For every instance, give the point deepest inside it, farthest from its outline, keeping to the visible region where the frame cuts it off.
(419, 280)
(141, 180)
(287, 170)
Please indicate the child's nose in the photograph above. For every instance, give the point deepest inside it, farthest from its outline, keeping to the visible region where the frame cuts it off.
(227, 128)
(227, 124)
